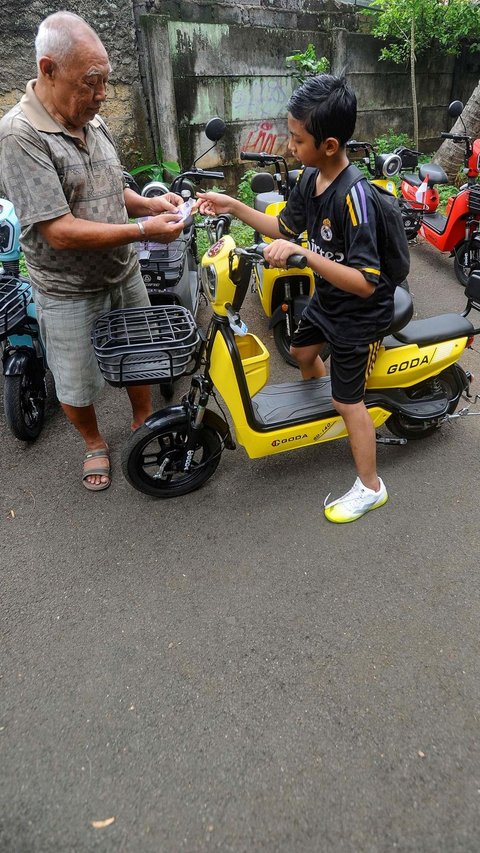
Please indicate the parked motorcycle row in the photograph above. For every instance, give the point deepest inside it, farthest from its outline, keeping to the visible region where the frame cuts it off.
(413, 389)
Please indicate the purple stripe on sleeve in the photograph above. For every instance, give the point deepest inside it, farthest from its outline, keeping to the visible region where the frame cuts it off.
(361, 193)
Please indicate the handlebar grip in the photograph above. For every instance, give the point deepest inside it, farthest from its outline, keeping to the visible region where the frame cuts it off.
(457, 137)
(208, 174)
(256, 158)
(298, 261)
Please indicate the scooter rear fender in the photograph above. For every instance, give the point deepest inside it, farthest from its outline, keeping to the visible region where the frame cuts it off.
(177, 415)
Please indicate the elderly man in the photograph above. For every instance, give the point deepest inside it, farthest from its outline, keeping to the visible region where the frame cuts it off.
(59, 167)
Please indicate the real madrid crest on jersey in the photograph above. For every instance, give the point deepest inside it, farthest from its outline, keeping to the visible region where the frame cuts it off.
(326, 230)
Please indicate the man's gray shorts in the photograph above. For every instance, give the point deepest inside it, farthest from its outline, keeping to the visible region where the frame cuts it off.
(66, 326)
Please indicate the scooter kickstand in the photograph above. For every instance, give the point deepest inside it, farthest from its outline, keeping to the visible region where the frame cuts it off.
(381, 439)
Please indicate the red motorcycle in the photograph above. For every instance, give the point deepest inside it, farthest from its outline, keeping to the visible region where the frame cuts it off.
(458, 232)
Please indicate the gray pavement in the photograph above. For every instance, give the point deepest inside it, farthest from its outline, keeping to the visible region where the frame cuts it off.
(229, 672)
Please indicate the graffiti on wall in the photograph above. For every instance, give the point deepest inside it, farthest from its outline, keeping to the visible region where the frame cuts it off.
(265, 138)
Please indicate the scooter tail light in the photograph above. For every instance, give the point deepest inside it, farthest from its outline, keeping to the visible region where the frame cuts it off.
(284, 307)
(470, 341)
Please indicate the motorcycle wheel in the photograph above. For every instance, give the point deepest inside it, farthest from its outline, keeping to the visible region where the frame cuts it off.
(152, 457)
(451, 382)
(24, 407)
(462, 271)
(282, 342)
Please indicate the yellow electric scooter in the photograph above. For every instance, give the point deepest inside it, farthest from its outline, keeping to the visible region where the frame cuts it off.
(283, 294)
(414, 388)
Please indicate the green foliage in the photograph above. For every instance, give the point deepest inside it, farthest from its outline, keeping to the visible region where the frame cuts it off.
(307, 64)
(244, 191)
(162, 170)
(241, 233)
(387, 142)
(446, 24)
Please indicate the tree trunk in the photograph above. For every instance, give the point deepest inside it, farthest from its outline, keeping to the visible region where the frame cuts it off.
(450, 154)
(413, 85)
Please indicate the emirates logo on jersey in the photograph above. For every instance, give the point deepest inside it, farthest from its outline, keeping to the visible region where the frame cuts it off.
(326, 230)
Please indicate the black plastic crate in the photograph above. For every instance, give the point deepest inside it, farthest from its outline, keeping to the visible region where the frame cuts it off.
(162, 265)
(474, 199)
(141, 346)
(15, 297)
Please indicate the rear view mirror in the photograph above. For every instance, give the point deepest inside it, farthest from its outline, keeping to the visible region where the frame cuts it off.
(455, 109)
(214, 129)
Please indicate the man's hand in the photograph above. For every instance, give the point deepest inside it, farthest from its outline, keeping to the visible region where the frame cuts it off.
(167, 203)
(163, 228)
(278, 252)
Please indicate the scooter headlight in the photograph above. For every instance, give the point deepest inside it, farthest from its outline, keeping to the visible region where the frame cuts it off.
(389, 164)
(209, 280)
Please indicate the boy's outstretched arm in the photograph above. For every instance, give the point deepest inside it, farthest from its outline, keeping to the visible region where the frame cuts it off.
(212, 204)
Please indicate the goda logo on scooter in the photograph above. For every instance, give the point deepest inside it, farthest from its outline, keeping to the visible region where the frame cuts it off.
(408, 365)
(278, 441)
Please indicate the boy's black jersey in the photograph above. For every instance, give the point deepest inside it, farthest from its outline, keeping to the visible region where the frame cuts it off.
(341, 315)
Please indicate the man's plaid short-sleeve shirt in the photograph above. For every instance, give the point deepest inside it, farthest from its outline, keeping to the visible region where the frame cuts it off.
(46, 172)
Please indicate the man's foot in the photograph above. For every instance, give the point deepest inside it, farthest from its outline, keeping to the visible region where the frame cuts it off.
(96, 469)
(355, 503)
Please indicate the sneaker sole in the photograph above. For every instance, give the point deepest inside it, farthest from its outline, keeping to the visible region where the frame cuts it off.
(356, 517)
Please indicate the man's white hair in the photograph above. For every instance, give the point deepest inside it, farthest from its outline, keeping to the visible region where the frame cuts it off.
(57, 35)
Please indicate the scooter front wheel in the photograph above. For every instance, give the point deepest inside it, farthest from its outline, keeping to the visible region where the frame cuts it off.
(466, 258)
(283, 340)
(24, 406)
(153, 459)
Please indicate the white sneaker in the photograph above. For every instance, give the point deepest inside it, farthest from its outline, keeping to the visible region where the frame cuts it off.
(355, 503)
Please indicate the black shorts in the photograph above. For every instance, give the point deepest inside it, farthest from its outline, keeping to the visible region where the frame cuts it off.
(350, 363)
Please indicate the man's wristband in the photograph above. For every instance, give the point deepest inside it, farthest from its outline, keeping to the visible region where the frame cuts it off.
(141, 228)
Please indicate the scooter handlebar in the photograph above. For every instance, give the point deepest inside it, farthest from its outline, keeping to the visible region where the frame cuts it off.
(295, 260)
(457, 137)
(257, 158)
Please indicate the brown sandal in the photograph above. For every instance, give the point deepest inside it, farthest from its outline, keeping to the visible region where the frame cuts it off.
(98, 470)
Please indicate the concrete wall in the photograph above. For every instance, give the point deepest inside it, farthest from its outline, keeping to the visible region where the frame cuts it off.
(177, 62)
(125, 109)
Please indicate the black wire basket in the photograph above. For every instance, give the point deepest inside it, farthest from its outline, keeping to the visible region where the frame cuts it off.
(412, 215)
(15, 296)
(142, 346)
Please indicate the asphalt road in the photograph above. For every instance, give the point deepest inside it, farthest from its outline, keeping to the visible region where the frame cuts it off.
(228, 671)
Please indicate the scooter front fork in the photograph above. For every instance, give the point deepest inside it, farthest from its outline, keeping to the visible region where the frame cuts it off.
(196, 402)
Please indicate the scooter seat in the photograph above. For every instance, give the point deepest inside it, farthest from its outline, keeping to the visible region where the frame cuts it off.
(434, 330)
(262, 200)
(402, 310)
(435, 174)
(412, 180)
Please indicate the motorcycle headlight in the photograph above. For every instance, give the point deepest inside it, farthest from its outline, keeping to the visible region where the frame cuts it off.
(389, 164)
(209, 280)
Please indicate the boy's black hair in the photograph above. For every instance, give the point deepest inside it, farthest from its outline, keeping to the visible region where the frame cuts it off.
(326, 106)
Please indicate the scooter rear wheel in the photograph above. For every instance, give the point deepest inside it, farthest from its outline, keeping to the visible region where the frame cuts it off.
(152, 460)
(462, 270)
(452, 383)
(24, 406)
(283, 340)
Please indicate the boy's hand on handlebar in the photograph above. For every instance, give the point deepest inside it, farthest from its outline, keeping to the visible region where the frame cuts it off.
(211, 204)
(278, 252)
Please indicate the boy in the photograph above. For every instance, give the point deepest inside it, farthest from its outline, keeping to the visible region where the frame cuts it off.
(353, 303)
